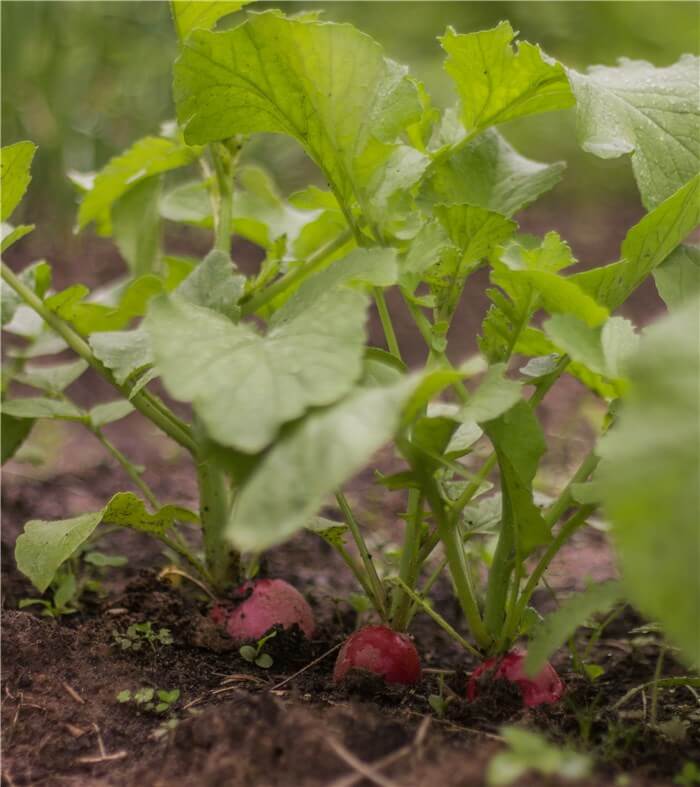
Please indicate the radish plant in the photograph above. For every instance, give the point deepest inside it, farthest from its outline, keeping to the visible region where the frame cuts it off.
(288, 398)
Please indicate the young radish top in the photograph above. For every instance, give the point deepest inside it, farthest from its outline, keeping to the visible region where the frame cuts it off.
(288, 399)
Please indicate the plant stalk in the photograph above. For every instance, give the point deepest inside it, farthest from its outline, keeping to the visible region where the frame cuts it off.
(409, 567)
(374, 580)
(143, 401)
(315, 262)
(387, 324)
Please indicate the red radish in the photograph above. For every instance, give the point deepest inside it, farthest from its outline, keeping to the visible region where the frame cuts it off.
(265, 603)
(546, 687)
(380, 650)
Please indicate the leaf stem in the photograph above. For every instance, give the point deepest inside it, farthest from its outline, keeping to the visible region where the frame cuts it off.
(568, 529)
(314, 263)
(436, 616)
(143, 401)
(224, 196)
(129, 468)
(375, 582)
(387, 324)
(409, 567)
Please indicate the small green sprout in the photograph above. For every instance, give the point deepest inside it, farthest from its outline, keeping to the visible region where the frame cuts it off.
(149, 699)
(254, 653)
(139, 633)
(439, 702)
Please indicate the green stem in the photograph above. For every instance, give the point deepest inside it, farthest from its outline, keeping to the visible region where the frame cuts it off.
(374, 580)
(315, 262)
(356, 569)
(454, 552)
(432, 579)
(387, 325)
(142, 401)
(423, 604)
(500, 572)
(224, 196)
(568, 529)
(129, 468)
(222, 561)
(561, 505)
(182, 550)
(409, 567)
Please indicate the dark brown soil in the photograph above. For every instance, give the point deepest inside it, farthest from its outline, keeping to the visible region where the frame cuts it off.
(236, 724)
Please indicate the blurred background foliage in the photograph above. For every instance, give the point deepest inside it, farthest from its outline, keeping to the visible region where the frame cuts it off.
(85, 79)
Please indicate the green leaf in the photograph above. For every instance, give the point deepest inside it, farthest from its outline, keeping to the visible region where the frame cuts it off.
(474, 233)
(42, 407)
(265, 74)
(604, 350)
(245, 386)
(44, 546)
(214, 284)
(189, 15)
(11, 235)
(15, 163)
(124, 696)
(648, 478)
(498, 82)
(525, 271)
(650, 113)
(677, 279)
(645, 247)
(126, 353)
(330, 531)
(127, 510)
(559, 625)
(52, 379)
(495, 395)
(489, 173)
(309, 461)
(36, 276)
(517, 437)
(136, 226)
(425, 250)
(530, 751)
(108, 412)
(13, 432)
(148, 157)
(264, 661)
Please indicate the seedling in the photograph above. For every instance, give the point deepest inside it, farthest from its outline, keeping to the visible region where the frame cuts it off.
(289, 400)
(439, 702)
(149, 699)
(254, 653)
(63, 598)
(139, 634)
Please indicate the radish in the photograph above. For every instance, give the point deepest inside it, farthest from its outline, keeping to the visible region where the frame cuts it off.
(382, 651)
(545, 688)
(264, 603)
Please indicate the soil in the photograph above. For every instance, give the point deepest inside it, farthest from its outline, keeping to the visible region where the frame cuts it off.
(237, 724)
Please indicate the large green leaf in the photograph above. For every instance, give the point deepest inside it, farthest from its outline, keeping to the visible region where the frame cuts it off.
(488, 172)
(651, 113)
(15, 163)
(327, 85)
(559, 625)
(148, 157)
(44, 546)
(497, 82)
(645, 247)
(648, 479)
(127, 354)
(310, 461)
(42, 407)
(189, 15)
(245, 386)
(678, 278)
